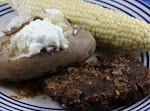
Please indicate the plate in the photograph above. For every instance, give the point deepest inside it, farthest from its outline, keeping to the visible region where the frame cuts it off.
(135, 8)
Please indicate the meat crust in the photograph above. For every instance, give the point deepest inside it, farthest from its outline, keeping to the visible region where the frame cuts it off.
(115, 79)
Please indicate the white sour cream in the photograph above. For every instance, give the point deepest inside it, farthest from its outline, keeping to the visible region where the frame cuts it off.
(37, 35)
(56, 17)
(54, 12)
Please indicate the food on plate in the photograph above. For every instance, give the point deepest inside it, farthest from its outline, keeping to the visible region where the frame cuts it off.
(38, 46)
(115, 79)
(42, 41)
(111, 29)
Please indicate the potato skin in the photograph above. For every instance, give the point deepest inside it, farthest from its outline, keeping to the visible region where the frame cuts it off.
(81, 47)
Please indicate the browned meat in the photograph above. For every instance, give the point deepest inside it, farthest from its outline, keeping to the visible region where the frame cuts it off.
(116, 79)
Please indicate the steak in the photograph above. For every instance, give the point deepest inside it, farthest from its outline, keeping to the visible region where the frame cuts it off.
(114, 79)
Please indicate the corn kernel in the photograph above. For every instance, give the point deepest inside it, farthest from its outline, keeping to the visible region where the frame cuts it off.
(101, 22)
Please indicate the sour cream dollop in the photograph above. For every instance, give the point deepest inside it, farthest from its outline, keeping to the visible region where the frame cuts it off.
(37, 35)
(56, 17)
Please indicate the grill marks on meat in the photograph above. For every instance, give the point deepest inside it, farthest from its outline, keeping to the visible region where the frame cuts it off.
(112, 80)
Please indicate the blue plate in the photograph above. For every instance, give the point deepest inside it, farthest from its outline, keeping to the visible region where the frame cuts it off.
(135, 8)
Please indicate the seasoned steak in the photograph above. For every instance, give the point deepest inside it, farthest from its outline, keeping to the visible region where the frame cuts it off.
(116, 79)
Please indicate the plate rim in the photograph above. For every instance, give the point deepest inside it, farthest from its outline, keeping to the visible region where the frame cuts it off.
(142, 55)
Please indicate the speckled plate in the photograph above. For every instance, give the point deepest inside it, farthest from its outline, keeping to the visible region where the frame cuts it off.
(136, 8)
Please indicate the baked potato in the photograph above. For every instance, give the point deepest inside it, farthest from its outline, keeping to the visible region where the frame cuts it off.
(81, 47)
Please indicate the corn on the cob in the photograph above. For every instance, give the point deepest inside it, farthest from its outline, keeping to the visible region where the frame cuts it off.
(110, 28)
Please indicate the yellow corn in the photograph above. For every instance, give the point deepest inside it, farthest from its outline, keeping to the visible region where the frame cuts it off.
(111, 29)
